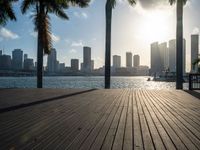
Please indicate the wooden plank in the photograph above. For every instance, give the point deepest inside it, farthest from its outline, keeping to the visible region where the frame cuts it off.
(155, 135)
(161, 130)
(138, 140)
(68, 134)
(193, 140)
(120, 132)
(108, 140)
(146, 135)
(170, 131)
(87, 137)
(128, 137)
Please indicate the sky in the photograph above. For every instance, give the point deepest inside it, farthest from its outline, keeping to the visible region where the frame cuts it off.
(134, 28)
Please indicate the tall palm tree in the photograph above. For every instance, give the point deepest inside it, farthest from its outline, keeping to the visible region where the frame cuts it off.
(6, 11)
(179, 42)
(41, 19)
(110, 4)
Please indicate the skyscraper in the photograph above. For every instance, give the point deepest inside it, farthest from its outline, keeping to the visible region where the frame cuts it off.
(28, 64)
(1, 53)
(92, 65)
(74, 64)
(164, 55)
(136, 60)
(129, 59)
(116, 61)
(25, 56)
(87, 59)
(156, 64)
(52, 61)
(17, 59)
(5, 62)
(194, 50)
(172, 55)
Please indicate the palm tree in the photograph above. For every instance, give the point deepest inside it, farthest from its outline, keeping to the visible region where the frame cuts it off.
(179, 42)
(195, 63)
(110, 4)
(41, 19)
(6, 11)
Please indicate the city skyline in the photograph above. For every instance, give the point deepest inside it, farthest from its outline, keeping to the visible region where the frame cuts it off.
(70, 36)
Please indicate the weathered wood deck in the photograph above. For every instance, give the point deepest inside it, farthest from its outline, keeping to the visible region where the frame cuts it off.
(99, 119)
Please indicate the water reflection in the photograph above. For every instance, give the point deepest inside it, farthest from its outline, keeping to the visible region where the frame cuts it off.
(85, 82)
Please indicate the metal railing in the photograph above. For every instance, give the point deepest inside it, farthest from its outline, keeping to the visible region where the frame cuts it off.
(194, 81)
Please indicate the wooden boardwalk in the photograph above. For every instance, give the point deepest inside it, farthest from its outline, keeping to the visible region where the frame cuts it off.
(100, 119)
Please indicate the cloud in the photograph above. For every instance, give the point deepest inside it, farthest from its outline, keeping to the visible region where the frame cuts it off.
(73, 51)
(77, 44)
(55, 38)
(195, 30)
(7, 34)
(151, 4)
(81, 15)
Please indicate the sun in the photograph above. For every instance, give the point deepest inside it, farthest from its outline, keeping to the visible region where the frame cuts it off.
(155, 26)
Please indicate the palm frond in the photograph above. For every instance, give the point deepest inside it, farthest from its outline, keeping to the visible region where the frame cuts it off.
(174, 1)
(26, 4)
(80, 3)
(6, 11)
(132, 2)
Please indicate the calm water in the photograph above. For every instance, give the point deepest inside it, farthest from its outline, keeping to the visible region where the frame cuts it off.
(85, 82)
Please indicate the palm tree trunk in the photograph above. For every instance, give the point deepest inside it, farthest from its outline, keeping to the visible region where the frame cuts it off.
(40, 48)
(39, 61)
(108, 44)
(179, 45)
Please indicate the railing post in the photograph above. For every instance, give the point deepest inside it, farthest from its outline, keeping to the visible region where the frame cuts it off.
(190, 81)
(194, 81)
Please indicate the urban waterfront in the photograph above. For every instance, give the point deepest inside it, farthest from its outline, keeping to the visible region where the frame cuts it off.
(86, 82)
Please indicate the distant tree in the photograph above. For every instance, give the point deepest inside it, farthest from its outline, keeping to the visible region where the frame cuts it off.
(179, 42)
(41, 19)
(110, 4)
(196, 63)
(6, 11)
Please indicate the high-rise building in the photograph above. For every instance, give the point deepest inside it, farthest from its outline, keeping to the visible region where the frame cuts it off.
(92, 65)
(116, 61)
(129, 59)
(184, 56)
(87, 59)
(17, 59)
(52, 61)
(1, 52)
(28, 64)
(25, 56)
(156, 63)
(5, 62)
(61, 67)
(172, 55)
(194, 50)
(164, 55)
(74, 64)
(136, 60)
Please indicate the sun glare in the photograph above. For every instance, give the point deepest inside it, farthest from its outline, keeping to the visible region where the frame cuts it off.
(154, 27)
